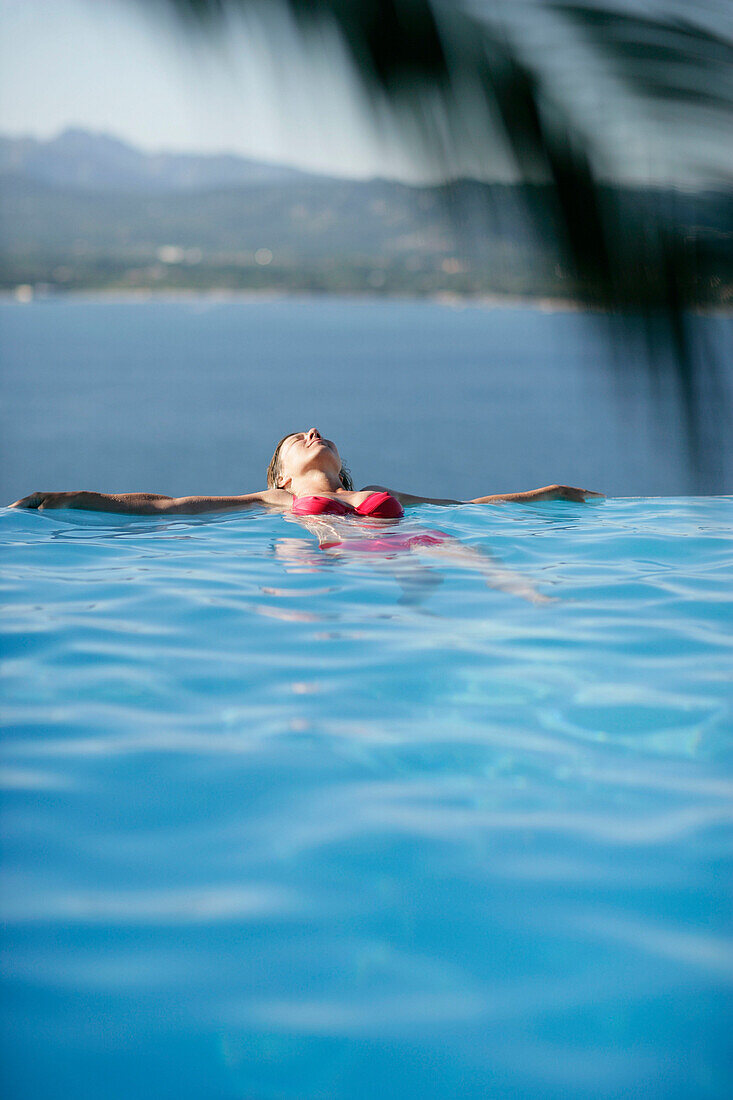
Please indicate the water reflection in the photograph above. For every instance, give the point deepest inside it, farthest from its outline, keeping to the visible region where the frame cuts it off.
(410, 556)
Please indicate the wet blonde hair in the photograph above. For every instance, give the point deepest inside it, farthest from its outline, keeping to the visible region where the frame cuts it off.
(274, 471)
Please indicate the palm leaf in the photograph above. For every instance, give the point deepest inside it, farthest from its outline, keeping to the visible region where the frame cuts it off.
(629, 252)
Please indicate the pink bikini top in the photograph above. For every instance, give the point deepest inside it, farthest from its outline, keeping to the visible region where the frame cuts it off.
(381, 505)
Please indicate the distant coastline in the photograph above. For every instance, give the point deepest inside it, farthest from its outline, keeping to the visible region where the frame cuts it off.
(220, 296)
(223, 295)
(86, 214)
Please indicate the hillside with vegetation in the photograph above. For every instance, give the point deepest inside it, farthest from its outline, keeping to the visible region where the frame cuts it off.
(86, 211)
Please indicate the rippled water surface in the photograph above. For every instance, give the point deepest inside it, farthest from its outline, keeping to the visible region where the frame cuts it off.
(290, 823)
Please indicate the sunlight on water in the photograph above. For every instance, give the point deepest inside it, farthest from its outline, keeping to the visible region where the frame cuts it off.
(286, 822)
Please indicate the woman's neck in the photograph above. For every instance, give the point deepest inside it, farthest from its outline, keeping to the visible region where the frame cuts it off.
(311, 484)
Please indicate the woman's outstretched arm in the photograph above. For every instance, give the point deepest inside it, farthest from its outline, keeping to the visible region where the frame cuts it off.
(150, 504)
(548, 492)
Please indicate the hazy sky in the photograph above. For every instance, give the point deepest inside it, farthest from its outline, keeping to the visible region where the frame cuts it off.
(119, 67)
(110, 65)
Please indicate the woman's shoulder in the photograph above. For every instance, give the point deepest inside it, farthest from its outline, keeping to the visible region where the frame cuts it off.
(360, 495)
(279, 497)
(367, 490)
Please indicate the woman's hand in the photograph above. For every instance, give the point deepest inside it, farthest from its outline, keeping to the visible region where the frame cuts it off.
(568, 492)
(46, 500)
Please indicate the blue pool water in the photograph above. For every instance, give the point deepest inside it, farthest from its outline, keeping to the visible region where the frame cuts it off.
(287, 823)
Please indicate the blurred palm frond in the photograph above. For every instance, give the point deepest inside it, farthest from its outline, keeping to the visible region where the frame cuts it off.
(514, 81)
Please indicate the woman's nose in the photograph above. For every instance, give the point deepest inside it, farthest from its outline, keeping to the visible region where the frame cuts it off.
(313, 432)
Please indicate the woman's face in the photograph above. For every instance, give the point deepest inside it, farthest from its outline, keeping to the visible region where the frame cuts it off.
(305, 452)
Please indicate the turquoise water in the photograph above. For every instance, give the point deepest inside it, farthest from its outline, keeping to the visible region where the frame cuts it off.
(288, 823)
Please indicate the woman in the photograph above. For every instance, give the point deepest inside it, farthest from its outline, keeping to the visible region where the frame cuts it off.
(306, 477)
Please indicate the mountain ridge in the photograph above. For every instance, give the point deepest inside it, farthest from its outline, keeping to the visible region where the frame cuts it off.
(96, 160)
